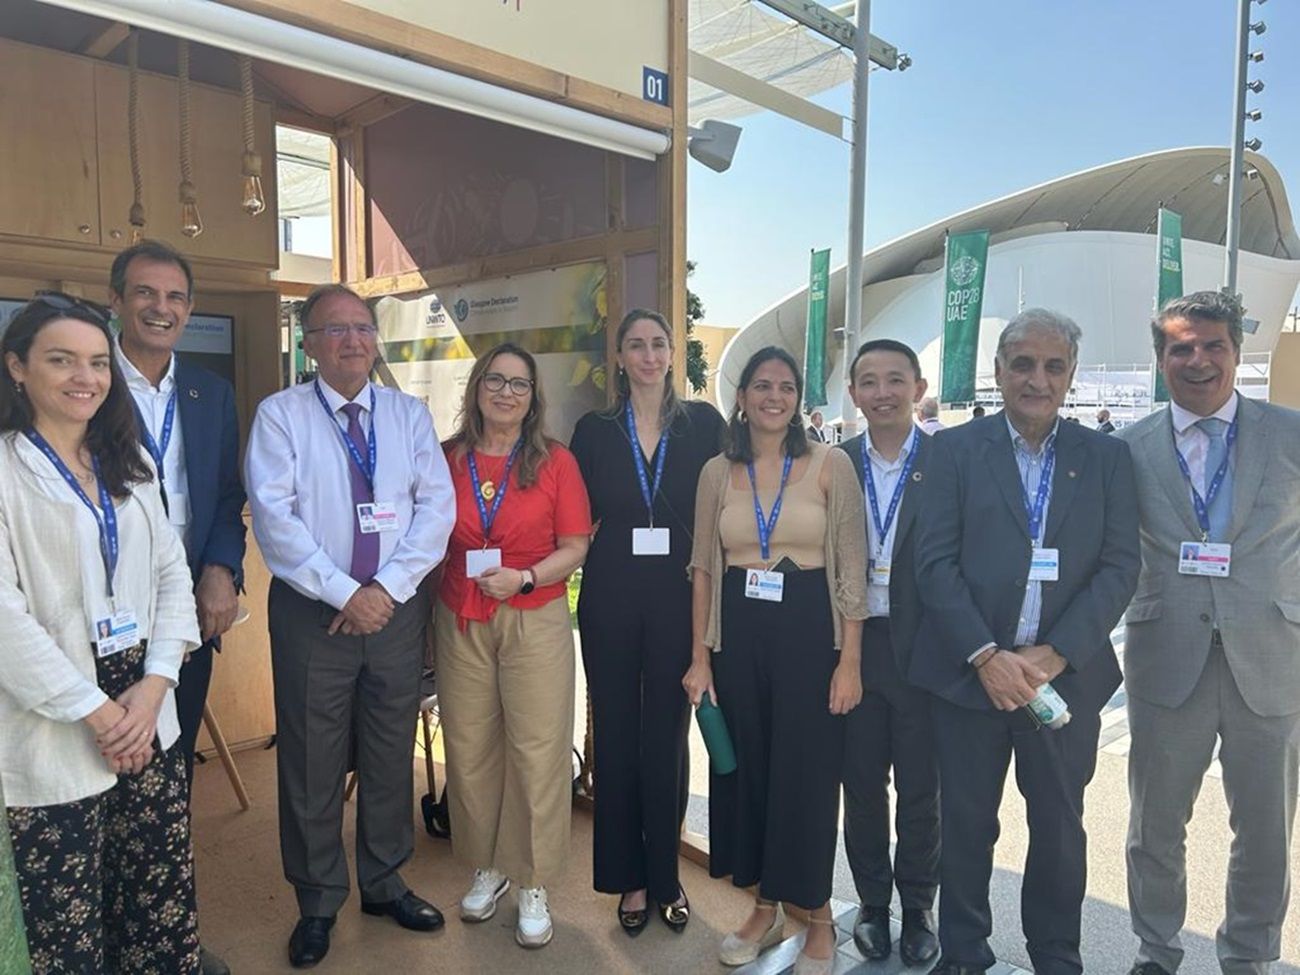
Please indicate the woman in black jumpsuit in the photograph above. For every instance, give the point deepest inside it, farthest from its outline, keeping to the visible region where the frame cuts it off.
(634, 614)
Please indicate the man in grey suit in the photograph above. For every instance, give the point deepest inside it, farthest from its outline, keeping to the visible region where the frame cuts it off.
(1027, 554)
(1213, 645)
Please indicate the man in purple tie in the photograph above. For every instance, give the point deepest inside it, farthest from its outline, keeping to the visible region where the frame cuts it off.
(352, 506)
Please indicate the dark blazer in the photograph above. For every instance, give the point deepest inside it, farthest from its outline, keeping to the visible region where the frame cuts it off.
(205, 406)
(904, 596)
(973, 552)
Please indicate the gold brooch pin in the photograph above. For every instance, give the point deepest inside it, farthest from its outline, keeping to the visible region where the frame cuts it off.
(488, 490)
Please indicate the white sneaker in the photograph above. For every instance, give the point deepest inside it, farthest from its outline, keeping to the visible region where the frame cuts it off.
(481, 902)
(534, 929)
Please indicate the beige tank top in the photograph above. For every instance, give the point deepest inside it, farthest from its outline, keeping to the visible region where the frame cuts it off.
(800, 530)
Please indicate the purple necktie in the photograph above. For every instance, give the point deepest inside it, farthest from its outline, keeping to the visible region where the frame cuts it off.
(365, 546)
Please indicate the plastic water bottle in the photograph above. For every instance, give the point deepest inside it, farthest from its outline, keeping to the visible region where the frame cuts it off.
(717, 739)
(1049, 709)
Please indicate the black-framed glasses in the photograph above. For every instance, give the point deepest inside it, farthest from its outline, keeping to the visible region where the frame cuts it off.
(363, 330)
(494, 382)
(60, 301)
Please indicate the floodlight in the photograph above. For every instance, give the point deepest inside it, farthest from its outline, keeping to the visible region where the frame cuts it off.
(1254, 115)
(1258, 27)
(1252, 173)
(1256, 56)
(714, 144)
(1253, 144)
(1256, 86)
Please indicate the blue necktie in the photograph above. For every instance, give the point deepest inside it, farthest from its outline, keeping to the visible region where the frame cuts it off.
(365, 545)
(1221, 508)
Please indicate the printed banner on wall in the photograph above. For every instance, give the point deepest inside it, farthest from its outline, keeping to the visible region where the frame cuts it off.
(814, 349)
(1169, 275)
(964, 261)
(430, 341)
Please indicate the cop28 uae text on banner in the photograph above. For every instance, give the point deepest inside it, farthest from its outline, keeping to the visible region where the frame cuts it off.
(1169, 274)
(963, 296)
(814, 350)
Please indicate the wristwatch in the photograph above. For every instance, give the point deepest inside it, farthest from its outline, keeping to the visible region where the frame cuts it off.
(530, 582)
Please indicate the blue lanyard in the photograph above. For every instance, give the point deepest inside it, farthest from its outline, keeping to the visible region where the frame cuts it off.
(108, 542)
(157, 450)
(882, 528)
(648, 492)
(486, 517)
(366, 465)
(766, 527)
(1202, 505)
(1034, 511)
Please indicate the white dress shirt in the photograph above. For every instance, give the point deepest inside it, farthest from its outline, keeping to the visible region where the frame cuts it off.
(152, 403)
(299, 489)
(1193, 442)
(884, 474)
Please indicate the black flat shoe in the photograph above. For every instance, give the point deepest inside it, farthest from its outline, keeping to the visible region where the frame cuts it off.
(310, 941)
(632, 922)
(676, 916)
(411, 912)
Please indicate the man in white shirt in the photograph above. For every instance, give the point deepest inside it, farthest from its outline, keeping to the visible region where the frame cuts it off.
(1213, 639)
(352, 506)
(927, 415)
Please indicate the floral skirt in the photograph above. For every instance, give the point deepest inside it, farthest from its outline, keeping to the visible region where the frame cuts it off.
(107, 882)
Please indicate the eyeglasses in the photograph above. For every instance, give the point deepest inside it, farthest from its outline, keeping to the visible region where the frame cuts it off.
(363, 330)
(494, 382)
(65, 302)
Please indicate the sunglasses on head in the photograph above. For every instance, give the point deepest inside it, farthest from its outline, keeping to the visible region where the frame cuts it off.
(60, 301)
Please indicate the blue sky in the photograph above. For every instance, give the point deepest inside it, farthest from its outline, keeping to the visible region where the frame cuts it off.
(1001, 95)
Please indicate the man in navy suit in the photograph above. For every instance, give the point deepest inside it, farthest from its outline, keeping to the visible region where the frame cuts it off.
(891, 728)
(1005, 492)
(187, 422)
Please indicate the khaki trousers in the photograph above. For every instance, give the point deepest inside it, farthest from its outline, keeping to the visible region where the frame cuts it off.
(505, 688)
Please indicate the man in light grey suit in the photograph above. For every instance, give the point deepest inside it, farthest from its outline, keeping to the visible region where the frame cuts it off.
(1213, 646)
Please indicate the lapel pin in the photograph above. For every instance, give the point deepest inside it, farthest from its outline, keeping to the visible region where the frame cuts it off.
(916, 476)
(1072, 473)
(194, 394)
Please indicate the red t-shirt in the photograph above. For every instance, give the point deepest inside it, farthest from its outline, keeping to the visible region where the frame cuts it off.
(526, 527)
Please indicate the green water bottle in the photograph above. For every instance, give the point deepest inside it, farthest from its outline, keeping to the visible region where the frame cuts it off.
(717, 739)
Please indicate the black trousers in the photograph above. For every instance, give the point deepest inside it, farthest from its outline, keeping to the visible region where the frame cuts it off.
(774, 821)
(1052, 770)
(890, 729)
(635, 651)
(191, 694)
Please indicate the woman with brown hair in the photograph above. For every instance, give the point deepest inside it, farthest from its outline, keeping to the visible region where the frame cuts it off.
(504, 644)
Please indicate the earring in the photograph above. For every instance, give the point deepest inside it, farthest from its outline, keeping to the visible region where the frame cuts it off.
(18, 388)
(743, 417)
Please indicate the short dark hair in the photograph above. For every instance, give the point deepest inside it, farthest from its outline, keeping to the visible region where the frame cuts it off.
(740, 448)
(321, 292)
(150, 250)
(1203, 306)
(885, 345)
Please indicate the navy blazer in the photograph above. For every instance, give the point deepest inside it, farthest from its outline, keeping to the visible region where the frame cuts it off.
(205, 405)
(904, 597)
(973, 551)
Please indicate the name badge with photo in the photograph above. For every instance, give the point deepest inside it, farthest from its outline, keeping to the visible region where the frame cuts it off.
(1045, 565)
(878, 572)
(767, 586)
(116, 633)
(377, 516)
(650, 541)
(1204, 559)
(479, 560)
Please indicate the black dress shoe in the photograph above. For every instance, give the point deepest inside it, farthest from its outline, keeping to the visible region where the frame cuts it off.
(310, 941)
(409, 911)
(871, 933)
(1148, 968)
(917, 945)
(632, 922)
(677, 915)
(946, 967)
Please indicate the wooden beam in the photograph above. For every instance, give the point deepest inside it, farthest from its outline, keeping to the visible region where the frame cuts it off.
(105, 41)
(348, 22)
(305, 120)
(672, 195)
(372, 110)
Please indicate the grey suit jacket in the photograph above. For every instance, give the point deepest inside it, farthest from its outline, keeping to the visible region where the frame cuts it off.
(1257, 608)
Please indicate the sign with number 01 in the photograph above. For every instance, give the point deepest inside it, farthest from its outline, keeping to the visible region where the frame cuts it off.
(654, 86)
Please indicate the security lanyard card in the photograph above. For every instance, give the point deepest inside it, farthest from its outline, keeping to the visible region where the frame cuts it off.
(878, 572)
(479, 560)
(1045, 565)
(1204, 559)
(767, 586)
(116, 633)
(376, 516)
(650, 541)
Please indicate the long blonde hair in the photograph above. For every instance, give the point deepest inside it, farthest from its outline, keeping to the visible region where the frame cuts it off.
(469, 435)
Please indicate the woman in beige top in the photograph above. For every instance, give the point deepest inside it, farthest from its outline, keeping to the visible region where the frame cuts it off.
(780, 592)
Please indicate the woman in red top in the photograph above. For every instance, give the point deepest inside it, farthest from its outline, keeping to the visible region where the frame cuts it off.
(504, 642)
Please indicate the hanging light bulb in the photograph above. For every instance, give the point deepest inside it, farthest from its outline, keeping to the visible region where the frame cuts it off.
(136, 217)
(252, 200)
(191, 222)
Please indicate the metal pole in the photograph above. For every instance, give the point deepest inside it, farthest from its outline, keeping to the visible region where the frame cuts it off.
(857, 211)
(1237, 161)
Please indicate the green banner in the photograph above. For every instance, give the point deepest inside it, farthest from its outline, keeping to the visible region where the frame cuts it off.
(1169, 274)
(963, 296)
(814, 349)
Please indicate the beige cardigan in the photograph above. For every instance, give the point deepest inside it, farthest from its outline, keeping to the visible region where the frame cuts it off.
(47, 666)
(846, 538)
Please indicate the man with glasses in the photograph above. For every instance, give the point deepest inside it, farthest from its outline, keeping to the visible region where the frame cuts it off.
(352, 506)
(188, 425)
